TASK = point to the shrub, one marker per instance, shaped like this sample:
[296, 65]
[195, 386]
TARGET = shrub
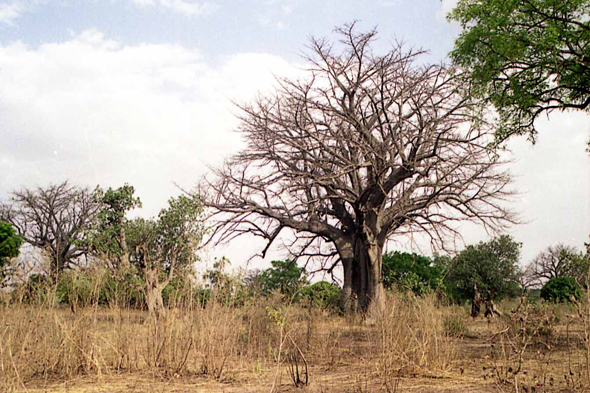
[285, 277]
[323, 295]
[561, 289]
[74, 288]
[411, 272]
[123, 287]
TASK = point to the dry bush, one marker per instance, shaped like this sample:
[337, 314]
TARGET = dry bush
[412, 336]
[37, 342]
[258, 335]
[218, 333]
[218, 338]
[539, 347]
[579, 361]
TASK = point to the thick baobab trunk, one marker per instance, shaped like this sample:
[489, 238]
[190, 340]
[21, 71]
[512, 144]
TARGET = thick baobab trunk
[363, 286]
[153, 293]
[348, 301]
[57, 262]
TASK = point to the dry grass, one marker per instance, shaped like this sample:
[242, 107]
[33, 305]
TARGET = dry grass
[416, 344]
[413, 338]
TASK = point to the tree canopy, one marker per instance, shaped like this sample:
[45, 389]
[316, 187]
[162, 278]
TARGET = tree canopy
[526, 57]
[492, 265]
[561, 289]
[417, 273]
[10, 243]
[161, 247]
[284, 276]
[363, 147]
[108, 236]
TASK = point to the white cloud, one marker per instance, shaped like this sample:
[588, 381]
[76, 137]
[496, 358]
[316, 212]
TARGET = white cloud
[276, 15]
[390, 3]
[144, 2]
[12, 10]
[98, 112]
[9, 12]
[185, 7]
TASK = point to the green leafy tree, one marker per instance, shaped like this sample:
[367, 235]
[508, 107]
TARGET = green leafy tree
[561, 289]
[108, 237]
[162, 247]
[411, 271]
[10, 243]
[526, 57]
[284, 276]
[492, 265]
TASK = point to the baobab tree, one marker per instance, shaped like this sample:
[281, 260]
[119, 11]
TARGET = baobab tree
[558, 261]
[54, 219]
[362, 148]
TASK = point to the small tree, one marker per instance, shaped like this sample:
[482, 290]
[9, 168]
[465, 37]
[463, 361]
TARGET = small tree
[108, 237]
[411, 271]
[491, 266]
[561, 289]
[10, 243]
[227, 287]
[284, 276]
[163, 246]
[323, 295]
[55, 219]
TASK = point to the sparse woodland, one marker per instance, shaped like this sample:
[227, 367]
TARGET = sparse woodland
[366, 147]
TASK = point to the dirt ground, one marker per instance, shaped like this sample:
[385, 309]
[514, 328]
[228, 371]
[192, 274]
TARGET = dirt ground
[342, 380]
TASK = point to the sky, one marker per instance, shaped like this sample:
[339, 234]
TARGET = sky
[143, 91]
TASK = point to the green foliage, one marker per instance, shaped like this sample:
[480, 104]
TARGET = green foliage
[180, 228]
[561, 289]
[413, 272]
[95, 285]
[74, 288]
[171, 239]
[284, 276]
[217, 276]
[493, 265]
[525, 57]
[323, 295]
[108, 236]
[180, 290]
[10, 243]
[123, 287]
